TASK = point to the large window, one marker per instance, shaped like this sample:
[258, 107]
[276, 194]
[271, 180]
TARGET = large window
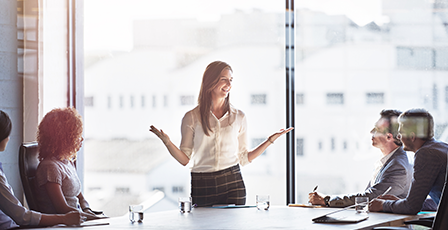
[353, 60]
[43, 58]
[144, 63]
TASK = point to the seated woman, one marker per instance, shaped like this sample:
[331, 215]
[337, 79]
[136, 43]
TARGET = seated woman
[58, 186]
[12, 213]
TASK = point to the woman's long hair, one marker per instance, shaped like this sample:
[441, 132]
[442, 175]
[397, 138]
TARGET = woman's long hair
[59, 134]
[209, 80]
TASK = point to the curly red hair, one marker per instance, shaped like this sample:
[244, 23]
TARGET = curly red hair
[59, 134]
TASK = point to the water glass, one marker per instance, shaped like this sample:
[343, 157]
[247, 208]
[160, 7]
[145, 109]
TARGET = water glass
[185, 204]
[136, 213]
[263, 202]
[362, 204]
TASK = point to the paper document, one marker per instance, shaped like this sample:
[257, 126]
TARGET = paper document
[232, 206]
[306, 206]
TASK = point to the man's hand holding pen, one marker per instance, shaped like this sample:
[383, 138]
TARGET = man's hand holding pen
[376, 205]
[315, 198]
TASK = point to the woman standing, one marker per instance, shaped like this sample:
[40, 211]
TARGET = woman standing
[12, 213]
[58, 185]
[214, 139]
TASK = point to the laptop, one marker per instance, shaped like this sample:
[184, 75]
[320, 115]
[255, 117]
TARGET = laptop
[354, 218]
[350, 218]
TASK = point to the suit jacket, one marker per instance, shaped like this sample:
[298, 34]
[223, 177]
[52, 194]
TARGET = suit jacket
[430, 166]
[396, 173]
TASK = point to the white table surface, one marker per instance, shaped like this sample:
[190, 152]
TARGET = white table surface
[277, 217]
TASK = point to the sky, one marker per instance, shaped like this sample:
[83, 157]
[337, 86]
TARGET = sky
[108, 23]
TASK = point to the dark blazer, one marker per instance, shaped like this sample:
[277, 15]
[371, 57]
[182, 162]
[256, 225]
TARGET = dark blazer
[396, 173]
[430, 163]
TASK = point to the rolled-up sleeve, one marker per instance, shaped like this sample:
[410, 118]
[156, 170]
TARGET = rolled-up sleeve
[242, 143]
[13, 208]
[187, 131]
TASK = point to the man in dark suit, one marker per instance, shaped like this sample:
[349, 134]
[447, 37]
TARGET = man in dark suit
[416, 131]
[392, 170]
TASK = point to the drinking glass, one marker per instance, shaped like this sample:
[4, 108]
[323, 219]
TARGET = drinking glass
[263, 202]
[185, 204]
[136, 213]
[362, 204]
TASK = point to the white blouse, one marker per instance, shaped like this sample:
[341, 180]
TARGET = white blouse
[11, 208]
[225, 146]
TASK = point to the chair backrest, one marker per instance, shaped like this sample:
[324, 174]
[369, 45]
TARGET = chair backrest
[441, 219]
[28, 162]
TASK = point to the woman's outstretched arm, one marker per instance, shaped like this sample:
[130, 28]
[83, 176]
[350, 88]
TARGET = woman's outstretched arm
[180, 156]
[263, 146]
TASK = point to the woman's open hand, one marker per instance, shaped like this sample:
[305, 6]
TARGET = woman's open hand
[276, 135]
[159, 133]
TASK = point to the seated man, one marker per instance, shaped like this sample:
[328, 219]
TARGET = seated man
[392, 170]
[416, 131]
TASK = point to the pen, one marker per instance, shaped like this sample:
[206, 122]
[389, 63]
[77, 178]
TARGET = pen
[384, 193]
[315, 188]
[387, 190]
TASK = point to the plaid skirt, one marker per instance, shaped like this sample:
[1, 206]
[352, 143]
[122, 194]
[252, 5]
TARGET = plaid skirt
[221, 187]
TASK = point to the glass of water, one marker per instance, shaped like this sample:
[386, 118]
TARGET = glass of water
[263, 202]
[362, 204]
[136, 213]
[185, 204]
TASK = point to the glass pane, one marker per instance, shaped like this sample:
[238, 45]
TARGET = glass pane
[144, 64]
[54, 63]
[42, 59]
[353, 60]
[28, 27]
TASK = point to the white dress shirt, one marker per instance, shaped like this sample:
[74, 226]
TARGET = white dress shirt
[379, 164]
[11, 210]
[225, 146]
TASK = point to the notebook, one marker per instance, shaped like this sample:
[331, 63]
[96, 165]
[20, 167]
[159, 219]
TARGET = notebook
[89, 223]
[232, 206]
[306, 206]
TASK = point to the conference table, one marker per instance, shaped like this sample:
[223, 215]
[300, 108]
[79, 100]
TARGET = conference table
[277, 217]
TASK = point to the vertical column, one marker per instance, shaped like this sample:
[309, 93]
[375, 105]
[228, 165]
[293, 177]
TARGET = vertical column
[77, 68]
[30, 61]
[10, 91]
[290, 101]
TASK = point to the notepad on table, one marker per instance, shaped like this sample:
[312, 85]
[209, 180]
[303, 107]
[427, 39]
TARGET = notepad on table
[232, 206]
[305, 205]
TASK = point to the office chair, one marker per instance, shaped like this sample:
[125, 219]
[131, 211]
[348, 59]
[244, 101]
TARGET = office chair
[28, 162]
[440, 220]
